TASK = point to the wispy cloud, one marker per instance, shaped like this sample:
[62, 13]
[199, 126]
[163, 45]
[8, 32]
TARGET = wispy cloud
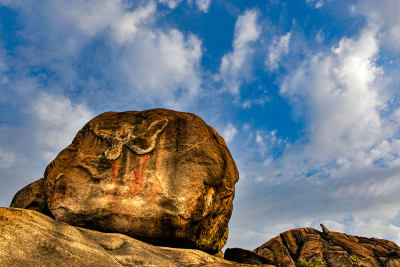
[229, 132]
[236, 66]
[316, 3]
[203, 5]
[278, 49]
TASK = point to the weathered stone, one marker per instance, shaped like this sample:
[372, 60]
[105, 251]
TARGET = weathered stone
[309, 247]
[160, 176]
[31, 197]
[245, 256]
[29, 238]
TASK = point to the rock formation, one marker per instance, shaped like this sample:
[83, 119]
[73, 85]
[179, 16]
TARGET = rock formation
[245, 256]
[310, 247]
[160, 176]
[31, 197]
[29, 238]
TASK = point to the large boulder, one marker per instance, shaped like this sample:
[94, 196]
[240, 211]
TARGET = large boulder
[161, 176]
[29, 238]
[310, 247]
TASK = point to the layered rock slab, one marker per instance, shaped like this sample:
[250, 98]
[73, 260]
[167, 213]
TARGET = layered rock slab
[310, 247]
[29, 238]
[160, 176]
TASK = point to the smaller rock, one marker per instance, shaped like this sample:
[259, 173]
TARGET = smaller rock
[245, 256]
[32, 197]
[310, 247]
[324, 229]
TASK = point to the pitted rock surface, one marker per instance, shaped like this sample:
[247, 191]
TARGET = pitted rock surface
[161, 176]
[29, 238]
[310, 247]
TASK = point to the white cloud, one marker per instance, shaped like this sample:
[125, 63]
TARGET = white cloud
[384, 14]
[376, 227]
[170, 3]
[316, 3]
[236, 66]
[139, 62]
[58, 121]
[203, 5]
[278, 49]
[164, 66]
[320, 37]
[344, 171]
[341, 95]
[229, 132]
[92, 17]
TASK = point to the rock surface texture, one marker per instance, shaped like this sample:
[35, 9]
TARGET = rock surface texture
[31, 197]
[161, 176]
[29, 238]
[309, 247]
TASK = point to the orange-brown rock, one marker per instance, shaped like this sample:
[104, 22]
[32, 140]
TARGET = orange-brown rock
[31, 197]
[161, 176]
[29, 238]
[245, 256]
[310, 247]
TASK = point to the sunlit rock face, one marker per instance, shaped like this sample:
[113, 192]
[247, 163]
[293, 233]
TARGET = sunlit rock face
[310, 247]
[161, 176]
[29, 238]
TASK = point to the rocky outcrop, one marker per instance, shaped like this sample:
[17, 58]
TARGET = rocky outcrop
[310, 247]
[31, 197]
[246, 256]
[29, 238]
[160, 176]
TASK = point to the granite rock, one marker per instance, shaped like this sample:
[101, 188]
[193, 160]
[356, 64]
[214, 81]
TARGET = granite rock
[30, 238]
[310, 247]
[161, 176]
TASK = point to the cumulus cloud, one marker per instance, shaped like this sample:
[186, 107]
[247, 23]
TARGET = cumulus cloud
[340, 94]
[278, 49]
[384, 14]
[344, 171]
[164, 66]
[236, 66]
[141, 63]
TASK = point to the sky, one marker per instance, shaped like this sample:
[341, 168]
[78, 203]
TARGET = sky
[305, 93]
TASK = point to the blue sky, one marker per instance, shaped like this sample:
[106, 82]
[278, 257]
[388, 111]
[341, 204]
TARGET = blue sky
[304, 92]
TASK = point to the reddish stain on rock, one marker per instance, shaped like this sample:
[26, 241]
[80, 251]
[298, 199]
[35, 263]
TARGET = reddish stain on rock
[146, 174]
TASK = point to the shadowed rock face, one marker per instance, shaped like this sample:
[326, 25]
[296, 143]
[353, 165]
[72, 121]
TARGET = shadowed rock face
[29, 238]
[31, 197]
[161, 176]
[299, 247]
